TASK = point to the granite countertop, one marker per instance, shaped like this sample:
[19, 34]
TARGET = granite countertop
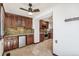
[20, 34]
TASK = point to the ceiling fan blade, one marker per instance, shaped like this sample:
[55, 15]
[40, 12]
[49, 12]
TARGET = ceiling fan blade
[23, 9]
[36, 10]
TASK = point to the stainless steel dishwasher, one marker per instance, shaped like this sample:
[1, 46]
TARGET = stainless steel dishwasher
[22, 41]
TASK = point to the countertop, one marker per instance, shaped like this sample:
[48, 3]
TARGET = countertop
[20, 34]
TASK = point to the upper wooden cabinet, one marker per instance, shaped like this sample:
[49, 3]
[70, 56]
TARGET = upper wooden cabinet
[44, 24]
[18, 20]
[12, 20]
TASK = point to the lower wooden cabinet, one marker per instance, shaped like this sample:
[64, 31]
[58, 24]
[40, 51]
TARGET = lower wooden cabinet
[50, 35]
[42, 37]
[29, 39]
[10, 43]
[13, 42]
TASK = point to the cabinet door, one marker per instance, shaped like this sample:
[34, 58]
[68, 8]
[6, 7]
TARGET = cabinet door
[26, 23]
[7, 21]
[18, 21]
[42, 37]
[29, 23]
[5, 44]
[30, 39]
[23, 21]
[10, 43]
[47, 25]
[13, 21]
[15, 42]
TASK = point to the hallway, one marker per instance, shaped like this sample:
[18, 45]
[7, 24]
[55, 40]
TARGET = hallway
[41, 49]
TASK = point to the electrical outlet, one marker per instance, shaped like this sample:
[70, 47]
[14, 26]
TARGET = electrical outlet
[56, 41]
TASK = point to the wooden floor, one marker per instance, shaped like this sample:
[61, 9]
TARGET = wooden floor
[41, 49]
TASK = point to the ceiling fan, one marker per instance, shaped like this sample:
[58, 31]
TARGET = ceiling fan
[30, 9]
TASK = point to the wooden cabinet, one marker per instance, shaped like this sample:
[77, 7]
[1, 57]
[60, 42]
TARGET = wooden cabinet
[42, 37]
[7, 21]
[12, 20]
[49, 36]
[29, 39]
[28, 23]
[44, 24]
[18, 21]
[10, 43]
[23, 22]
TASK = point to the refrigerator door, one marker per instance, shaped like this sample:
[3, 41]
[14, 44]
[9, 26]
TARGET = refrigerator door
[22, 41]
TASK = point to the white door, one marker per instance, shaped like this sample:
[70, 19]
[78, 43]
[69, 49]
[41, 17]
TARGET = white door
[22, 41]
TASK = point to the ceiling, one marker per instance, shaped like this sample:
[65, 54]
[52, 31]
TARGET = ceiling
[14, 8]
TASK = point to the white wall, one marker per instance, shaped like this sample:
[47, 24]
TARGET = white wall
[66, 33]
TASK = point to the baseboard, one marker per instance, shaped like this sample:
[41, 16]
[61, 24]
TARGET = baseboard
[55, 54]
[36, 43]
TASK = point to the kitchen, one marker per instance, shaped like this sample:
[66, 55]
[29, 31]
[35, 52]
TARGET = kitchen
[18, 31]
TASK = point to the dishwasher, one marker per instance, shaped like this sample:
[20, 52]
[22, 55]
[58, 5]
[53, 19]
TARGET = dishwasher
[22, 41]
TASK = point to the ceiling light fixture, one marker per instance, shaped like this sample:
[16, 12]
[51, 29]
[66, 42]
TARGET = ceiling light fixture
[30, 13]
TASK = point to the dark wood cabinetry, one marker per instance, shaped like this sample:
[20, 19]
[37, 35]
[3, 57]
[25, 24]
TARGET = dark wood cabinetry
[12, 20]
[10, 43]
[29, 39]
[49, 35]
[44, 24]
[28, 23]
[42, 37]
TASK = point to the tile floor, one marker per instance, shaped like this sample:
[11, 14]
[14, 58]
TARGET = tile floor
[41, 49]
